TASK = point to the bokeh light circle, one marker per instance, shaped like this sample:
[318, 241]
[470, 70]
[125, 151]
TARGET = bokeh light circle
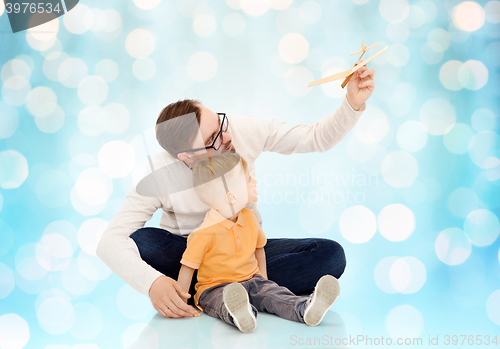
[357, 224]
[440, 38]
[93, 90]
[93, 187]
[92, 267]
[14, 331]
[396, 222]
[492, 10]
[204, 25]
[482, 227]
[202, 66]
[452, 246]
[399, 169]
[107, 69]
[147, 4]
[140, 43]
[9, 120]
[254, 7]
[13, 169]
[55, 315]
[38, 97]
[473, 75]
[411, 136]
[448, 75]
[54, 252]
[310, 12]
[394, 11]
[51, 118]
[118, 118]
[293, 48]
[407, 275]
[458, 139]
[92, 120]
[15, 90]
[75, 282]
[398, 55]
[90, 233]
[438, 116]
[382, 274]
[15, 67]
[279, 4]
[78, 20]
[468, 16]
[72, 71]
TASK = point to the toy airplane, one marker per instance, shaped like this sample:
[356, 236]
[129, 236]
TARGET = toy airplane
[348, 73]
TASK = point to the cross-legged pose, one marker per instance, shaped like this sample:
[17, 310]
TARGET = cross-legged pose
[148, 259]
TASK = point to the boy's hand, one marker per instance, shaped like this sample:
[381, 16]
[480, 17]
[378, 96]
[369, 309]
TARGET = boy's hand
[360, 87]
[165, 294]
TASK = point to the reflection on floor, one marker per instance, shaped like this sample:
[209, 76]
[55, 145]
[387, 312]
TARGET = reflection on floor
[208, 332]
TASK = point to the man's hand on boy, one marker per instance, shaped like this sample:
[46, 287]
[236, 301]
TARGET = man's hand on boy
[165, 294]
[360, 87]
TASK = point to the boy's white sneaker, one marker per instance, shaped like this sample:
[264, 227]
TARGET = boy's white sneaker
[237, 304]
[325, 294]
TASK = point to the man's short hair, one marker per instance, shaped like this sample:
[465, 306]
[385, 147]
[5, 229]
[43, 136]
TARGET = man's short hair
[177, 126]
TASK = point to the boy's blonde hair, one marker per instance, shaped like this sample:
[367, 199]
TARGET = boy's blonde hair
[211, 168]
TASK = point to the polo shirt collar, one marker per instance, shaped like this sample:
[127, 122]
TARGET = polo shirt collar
[226, 223]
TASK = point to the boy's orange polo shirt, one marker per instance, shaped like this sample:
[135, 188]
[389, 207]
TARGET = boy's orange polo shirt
[224, 251]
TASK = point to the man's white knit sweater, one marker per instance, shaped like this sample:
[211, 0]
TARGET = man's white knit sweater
[167, 186]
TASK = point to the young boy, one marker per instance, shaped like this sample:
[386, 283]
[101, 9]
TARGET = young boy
[227, 249]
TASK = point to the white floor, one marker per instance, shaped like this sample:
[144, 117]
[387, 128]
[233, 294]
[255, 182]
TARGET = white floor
[271, 332]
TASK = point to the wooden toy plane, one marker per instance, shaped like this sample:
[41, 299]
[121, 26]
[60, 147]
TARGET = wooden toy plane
[348, 73]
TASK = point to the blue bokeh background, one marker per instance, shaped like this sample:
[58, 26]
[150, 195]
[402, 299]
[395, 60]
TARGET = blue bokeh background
[412, 193]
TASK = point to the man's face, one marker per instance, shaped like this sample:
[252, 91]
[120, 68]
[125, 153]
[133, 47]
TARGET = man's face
[209, 128]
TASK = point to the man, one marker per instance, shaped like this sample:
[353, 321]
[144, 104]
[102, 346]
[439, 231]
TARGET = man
[148, 259]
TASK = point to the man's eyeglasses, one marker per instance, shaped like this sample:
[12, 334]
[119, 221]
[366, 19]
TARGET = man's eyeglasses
[217, 142]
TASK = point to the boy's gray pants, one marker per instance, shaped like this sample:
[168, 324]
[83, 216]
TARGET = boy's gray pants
[264, 295]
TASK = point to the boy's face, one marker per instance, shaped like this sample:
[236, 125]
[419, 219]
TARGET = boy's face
[253, 195]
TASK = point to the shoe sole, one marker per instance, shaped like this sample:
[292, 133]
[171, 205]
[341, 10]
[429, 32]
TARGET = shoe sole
[325, 294]
[236, 301]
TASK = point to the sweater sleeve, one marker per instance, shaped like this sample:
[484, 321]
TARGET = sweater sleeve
[119, 252]
[318, 137]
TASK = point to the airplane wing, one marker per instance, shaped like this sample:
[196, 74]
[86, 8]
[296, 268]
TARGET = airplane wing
[366, 49]
[334, 77]
[346, 72]
[367, 60]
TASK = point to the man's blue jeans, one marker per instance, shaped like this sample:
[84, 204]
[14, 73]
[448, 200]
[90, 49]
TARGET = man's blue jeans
[296, 264]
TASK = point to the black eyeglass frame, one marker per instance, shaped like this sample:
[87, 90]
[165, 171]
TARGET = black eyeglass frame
[224, 119]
